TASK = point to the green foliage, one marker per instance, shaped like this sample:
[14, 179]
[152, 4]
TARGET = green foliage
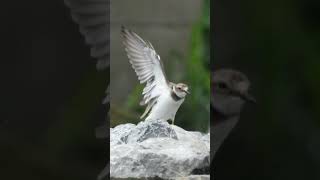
[196, 110]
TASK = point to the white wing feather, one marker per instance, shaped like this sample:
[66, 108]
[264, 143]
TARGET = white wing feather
[147, 65]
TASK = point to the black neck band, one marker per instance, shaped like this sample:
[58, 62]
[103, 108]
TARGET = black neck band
[175, 96]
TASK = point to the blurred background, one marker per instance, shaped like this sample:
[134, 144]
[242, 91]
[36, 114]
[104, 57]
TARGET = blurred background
[179, 31]
[277, 45]
[51, 96]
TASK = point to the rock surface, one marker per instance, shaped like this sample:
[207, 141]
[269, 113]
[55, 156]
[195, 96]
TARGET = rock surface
[157, 149]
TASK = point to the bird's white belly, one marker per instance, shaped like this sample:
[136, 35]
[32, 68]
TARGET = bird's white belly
[165, 108]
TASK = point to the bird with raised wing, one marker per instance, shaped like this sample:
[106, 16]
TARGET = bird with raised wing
[162, 97]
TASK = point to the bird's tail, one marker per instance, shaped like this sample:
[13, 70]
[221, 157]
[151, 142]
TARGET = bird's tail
[145, 112]
[149, 107]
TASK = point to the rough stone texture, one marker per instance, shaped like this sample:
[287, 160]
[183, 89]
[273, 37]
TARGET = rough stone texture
[192, 177]
[157, 149]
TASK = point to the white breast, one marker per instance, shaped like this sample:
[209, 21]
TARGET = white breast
[165, 108]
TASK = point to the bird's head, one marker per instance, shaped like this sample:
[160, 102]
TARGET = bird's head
[229, 91]
[181, 90]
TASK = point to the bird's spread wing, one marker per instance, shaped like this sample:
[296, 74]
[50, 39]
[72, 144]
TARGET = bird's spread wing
[147, 65]
[93, 19]
[92, 16]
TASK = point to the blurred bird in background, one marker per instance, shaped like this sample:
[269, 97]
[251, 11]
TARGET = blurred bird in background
[230, 90]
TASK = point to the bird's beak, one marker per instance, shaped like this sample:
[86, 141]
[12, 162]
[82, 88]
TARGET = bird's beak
[185, 90]
[248, 97]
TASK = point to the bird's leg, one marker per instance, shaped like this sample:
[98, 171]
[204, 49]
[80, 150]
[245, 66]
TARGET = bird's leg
[172, 123]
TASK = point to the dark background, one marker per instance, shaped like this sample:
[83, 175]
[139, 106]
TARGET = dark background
[51, 95]
[277, 45]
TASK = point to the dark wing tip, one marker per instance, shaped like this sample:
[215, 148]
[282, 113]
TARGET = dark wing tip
[127, 32]
[124, 33]
[124, 30]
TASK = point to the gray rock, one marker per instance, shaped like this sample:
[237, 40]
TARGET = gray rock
[157, 149]
[191, 177]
